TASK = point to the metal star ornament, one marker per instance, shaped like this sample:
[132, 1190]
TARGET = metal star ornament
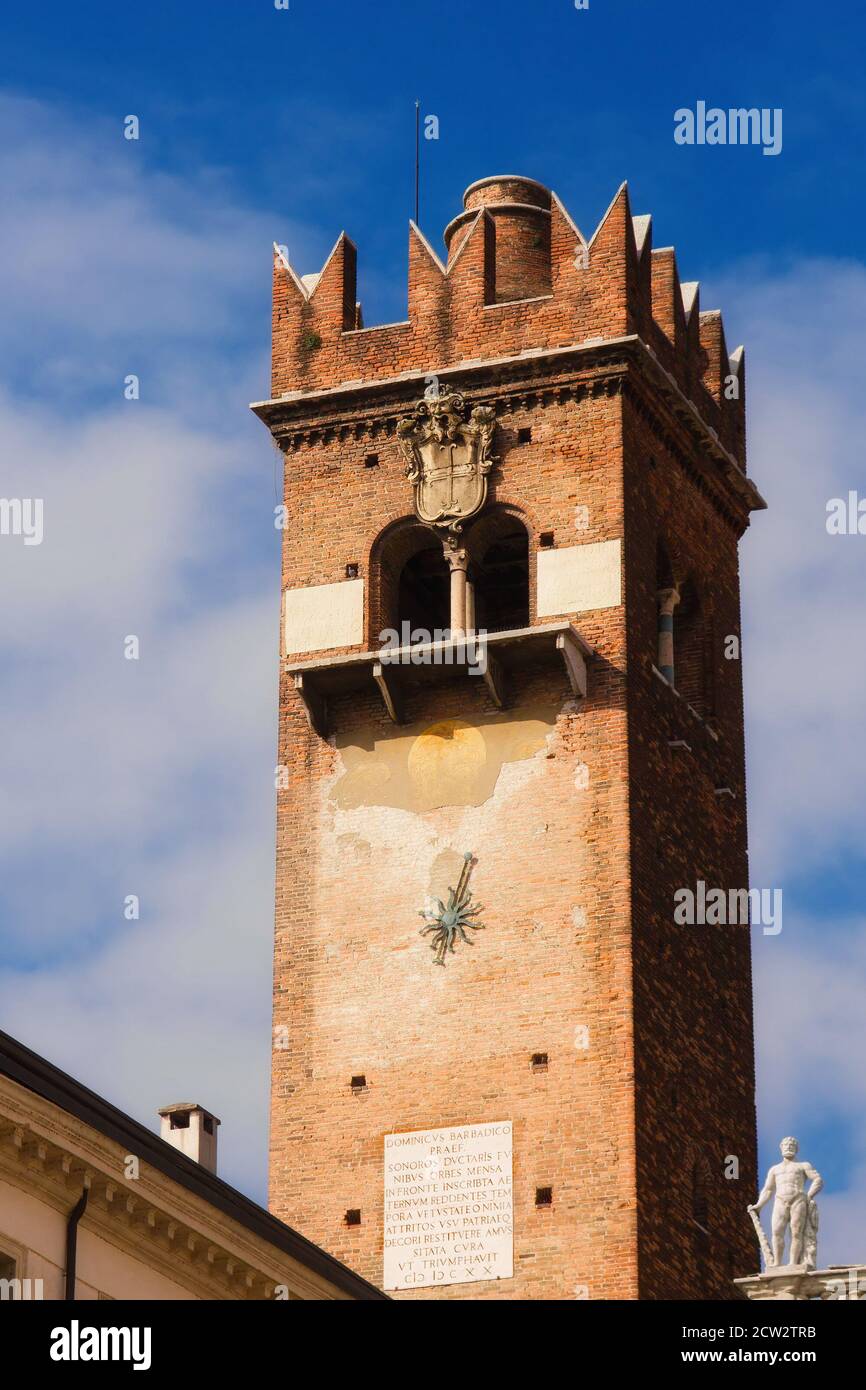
[450, 920]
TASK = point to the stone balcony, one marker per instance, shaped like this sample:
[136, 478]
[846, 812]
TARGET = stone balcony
[396, 671]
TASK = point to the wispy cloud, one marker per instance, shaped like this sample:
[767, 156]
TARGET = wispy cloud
[151, 777]
[804, 596]
[804, 590]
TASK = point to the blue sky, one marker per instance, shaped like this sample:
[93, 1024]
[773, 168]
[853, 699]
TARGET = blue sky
[154, 256]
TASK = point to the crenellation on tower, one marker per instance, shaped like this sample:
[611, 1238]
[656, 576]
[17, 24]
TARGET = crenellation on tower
[714, 347]
[518, 275]
[667, 304]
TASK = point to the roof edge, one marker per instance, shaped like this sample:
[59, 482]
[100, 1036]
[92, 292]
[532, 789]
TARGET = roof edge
[37, 1074]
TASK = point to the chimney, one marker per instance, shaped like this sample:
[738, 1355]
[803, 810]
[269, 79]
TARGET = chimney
[193, 1130]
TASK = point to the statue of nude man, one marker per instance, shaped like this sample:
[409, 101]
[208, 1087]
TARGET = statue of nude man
[794, 1207]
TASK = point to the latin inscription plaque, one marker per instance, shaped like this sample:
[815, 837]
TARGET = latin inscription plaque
[448, 1206]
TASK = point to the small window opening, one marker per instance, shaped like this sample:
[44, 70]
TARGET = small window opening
[693, 651]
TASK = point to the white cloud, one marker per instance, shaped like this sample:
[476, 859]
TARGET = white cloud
[174, 1006]
[123, 520]
[152, 777]
[110, 267]
[804, 592]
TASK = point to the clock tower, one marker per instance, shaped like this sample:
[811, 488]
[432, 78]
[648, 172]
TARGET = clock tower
[511, 731]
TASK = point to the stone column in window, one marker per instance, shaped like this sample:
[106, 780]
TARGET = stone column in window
[458, 563]
[667, 601]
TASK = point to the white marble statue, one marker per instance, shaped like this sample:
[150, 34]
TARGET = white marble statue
[794, 1208]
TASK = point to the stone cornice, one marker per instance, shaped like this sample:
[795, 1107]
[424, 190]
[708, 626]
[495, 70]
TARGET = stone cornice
[370, 410]
[845, 1283]
[359, 407]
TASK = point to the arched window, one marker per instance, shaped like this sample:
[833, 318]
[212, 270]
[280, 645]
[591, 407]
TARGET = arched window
[413, 580]
[685, 647]
[693, 650]
[667, 598]
[409, 581]
[498, 546]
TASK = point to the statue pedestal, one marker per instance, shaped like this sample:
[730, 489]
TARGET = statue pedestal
[842, 1282]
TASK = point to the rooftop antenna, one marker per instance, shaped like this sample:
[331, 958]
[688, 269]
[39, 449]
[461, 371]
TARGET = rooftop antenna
[417, 158]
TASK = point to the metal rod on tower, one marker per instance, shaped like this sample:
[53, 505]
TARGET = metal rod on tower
[417, 158]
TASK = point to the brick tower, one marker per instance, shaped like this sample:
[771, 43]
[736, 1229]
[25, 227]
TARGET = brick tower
[551, 450]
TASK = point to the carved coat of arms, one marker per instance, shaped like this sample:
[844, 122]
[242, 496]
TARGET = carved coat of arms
[447, 458]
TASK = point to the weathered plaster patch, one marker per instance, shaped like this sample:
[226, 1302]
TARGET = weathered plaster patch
[416, 852]
[449, 763]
